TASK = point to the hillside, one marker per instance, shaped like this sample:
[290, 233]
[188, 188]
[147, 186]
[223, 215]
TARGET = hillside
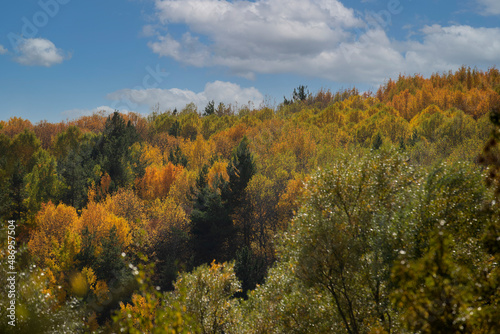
[335, 212]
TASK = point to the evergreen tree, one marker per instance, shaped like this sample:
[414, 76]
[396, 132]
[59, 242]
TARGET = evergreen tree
[212, 228]
[300, 94]
[177, 157]
[377, 142]
[112, 150]
[240, 171]
[86, 257]
[175, 129]
[209, 109]
[109, 264]
[250, 269]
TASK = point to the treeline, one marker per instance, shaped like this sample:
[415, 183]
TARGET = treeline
[334, 212]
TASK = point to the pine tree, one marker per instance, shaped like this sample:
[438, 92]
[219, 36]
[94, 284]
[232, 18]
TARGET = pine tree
[109, 263]
[212, 229]
[240, 171]
[112, 150]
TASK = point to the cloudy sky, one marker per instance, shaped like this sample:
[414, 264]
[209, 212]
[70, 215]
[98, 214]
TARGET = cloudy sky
[60, 59]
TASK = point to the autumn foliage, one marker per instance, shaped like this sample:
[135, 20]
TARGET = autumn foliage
[340, 212]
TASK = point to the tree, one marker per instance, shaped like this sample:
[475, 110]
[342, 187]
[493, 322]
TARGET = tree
[377, 142]
[109, 263]
[344, 236]
[212, 229]
[53, 223]
[433, 293]
[157, 181]
[209, 109]
[112, 150]
[168, 239]
[207, 295]
[300, 94]
[66, 141]
[43, 183]
[240, 171]
[79, 170]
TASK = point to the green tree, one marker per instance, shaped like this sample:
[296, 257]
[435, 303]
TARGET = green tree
[79, 170]
[207, 295]
[212, 229]
[112, 150]
[343, 238]
[209, 109]
[109, 263]
[433, 292]
[300, 93]
[240, 171]
[43, 183]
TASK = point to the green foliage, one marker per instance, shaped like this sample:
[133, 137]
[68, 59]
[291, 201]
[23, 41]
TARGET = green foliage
[112, 150]
[77, 169]
[433, 293]
[37, 308]
[206, 294]
[209, 109]
[240, 171]
[344, 236]
[43, 183]
[109, 264]
[212, 229]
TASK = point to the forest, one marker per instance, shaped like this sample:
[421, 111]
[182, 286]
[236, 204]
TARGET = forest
[332, 212]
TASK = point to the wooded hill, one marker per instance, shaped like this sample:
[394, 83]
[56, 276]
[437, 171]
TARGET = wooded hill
[331, 213]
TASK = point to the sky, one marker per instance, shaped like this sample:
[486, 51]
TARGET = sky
[62, 59]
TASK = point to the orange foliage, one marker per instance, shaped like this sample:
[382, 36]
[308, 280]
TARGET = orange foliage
[300, 142]
[46, 132]
[180, 191]
[16, 125]
[470, 90]
[157, 181]
[289, 201]
[225, 141]
[94, 123]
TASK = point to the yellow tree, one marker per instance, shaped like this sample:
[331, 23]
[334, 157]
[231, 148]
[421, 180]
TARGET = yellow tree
[157, 181]
[53, 223]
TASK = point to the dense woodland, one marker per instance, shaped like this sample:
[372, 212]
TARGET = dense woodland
[329, 213]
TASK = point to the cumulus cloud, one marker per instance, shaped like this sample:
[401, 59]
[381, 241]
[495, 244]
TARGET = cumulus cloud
[245, 33]
[453, 46]
[218, 91]
[39, 52]
[317, 38]
[2, 50]
[489, 7]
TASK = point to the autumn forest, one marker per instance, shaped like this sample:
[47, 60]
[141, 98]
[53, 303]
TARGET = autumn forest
[332, 212]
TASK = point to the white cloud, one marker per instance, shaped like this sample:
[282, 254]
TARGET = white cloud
[76, 113]
[450, 47]
[39, 52]
[317, 38]
[218, 91]
[243, 33]
[490, 7]
[3, 50]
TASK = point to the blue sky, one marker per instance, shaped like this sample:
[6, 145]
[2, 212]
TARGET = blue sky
[61, 59]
